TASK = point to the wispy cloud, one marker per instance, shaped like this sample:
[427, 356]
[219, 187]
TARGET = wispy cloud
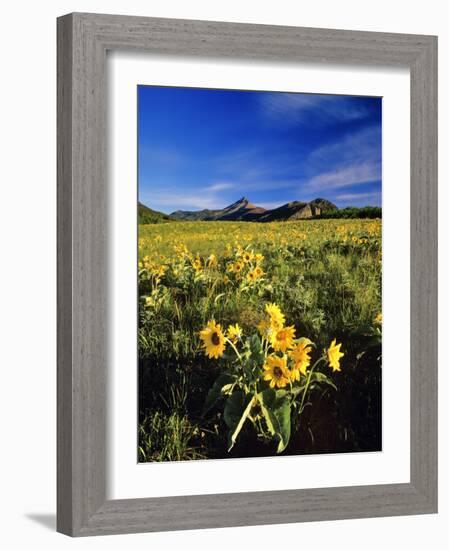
[351, 159]
[373, 198]
[344, 176]
[263, 167]
[358, 196]
[323, 110]
[362, 145]
[209, 197]
[171, 200]
[287, 146]
[354, 159]
[251, 163]
[269, 184]
[221, 186]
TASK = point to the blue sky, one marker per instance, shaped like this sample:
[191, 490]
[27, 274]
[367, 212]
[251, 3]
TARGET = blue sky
[200, 148]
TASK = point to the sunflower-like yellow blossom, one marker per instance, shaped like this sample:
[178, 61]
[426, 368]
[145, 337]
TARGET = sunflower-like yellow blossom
[213, 340]
[238, 266]
[282, 339]
[276, 372]
[277, 318]
[247, 256]
[251, 276]
[234, 333]
[196, 264]
[264, 328]
[301, 358]
[334, 355]
[212, 261]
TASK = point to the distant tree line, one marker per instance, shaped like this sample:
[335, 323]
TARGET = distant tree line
[149, 217]
[352, 212]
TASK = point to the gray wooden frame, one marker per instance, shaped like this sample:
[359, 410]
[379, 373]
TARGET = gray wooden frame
[83, 40]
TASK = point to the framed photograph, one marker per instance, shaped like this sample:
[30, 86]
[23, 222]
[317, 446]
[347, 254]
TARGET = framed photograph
[247, 274]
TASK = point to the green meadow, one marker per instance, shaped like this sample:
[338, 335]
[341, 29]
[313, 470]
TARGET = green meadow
[324, 276]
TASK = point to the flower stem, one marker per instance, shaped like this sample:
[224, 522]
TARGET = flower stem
[235, 349]
[301, 406]
[266, 345]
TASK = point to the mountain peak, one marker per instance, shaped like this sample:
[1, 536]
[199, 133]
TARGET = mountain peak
[243, 210]
[241, 202]
[239, 209]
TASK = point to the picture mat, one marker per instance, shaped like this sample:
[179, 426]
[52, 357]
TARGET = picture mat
[127, 478]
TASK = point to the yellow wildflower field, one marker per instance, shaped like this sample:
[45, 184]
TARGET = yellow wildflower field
[259, 338]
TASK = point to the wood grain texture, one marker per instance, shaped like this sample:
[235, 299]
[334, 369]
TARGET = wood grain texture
[423, 274]
[64, 277]
[83, 40]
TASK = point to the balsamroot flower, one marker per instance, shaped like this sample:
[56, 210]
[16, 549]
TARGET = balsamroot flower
[276, 371]
[334, 355]
[301, 358]
[282, 339]
[234, 333]
[213, 340]
[277, 318]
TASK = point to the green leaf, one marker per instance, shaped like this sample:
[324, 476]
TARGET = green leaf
[268, 397]
[321, 378]
[282, 415]
[255, 345]
[296, 390]
[220, 386]
[256, 357]
[218, 296]
[276, 411]
[237, 409]
[304, 340]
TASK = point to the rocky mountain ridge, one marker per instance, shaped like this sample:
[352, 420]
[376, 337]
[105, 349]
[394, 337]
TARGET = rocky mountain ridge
[243, 210]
